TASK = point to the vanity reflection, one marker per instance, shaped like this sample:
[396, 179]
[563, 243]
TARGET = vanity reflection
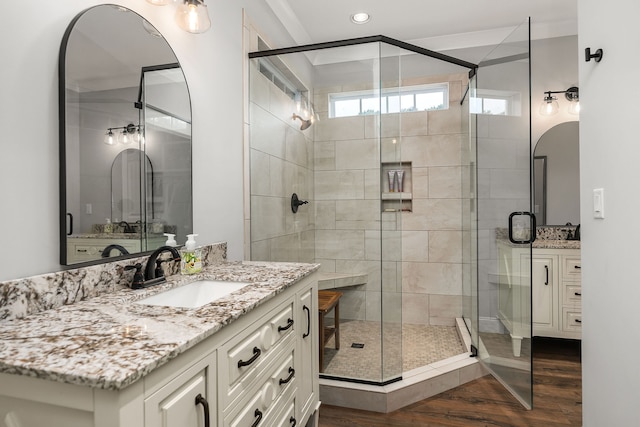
[557, 176]
[125, 138]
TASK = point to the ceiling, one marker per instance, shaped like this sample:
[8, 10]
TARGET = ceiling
[438, 25]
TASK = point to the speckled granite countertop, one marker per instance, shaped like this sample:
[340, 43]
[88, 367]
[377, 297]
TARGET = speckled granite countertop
[114, 236]
[546, 244]
[107, 342]
[556, 244]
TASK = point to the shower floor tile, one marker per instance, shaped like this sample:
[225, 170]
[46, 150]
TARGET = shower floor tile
[421, 345]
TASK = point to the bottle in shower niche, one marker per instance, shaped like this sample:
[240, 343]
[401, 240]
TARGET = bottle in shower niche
[400, 177]
[392, 180]
[191, 256]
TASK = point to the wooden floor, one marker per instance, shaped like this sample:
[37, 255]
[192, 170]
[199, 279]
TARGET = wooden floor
[557, 399]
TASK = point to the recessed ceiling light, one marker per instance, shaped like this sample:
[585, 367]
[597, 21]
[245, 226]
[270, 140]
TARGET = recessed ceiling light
[360, 18]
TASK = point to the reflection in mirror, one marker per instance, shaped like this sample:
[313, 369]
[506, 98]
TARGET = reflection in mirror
[126, 187]
[123, 98]
[557, 184]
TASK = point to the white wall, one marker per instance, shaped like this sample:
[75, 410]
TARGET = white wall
[212, 63]
[554, 67]
[609, 153]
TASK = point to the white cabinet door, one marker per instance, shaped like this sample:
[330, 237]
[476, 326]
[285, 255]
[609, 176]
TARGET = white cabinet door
[308, 364]
[544, 285]
[186, 400]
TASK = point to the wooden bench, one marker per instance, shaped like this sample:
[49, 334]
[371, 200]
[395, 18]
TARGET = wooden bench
[327, 301]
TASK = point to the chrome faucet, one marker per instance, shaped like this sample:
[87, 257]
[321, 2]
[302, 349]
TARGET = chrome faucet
[153, 273]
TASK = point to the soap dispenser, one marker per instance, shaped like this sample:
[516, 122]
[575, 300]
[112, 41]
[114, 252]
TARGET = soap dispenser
[108, 227]
[191, 256]
[171, 240]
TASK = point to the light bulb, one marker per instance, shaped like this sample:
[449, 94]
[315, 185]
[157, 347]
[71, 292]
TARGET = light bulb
[109, 138]
[124, 137]
[138, 137]
[193, 17]
[574, 107]
[549, 106]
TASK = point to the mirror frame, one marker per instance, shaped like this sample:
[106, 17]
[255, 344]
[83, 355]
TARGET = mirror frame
[62, 138]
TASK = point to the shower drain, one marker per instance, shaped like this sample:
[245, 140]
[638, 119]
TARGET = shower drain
[357, 345]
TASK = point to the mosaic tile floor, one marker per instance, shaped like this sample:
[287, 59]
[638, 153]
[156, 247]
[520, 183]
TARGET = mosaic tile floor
[421, 345]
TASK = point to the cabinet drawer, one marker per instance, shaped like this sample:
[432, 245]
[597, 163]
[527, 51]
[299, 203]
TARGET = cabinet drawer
[287, 418]
[247, 355]
[571, 320]
[572, 294]
[250, 414]
[267, 395]
[571, 268]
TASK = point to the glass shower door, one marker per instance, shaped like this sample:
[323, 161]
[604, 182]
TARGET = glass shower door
[500, 109]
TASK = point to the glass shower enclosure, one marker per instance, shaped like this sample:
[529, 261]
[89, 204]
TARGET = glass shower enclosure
[342, 139]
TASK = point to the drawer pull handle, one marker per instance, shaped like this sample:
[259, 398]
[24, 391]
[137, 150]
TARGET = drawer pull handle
[578, 320]
[292, 372]
[256, 354]
[546, 271]
[305, 308]
[578, 294]
[258, 416]
[577, 266]
[284, 328]
[293, 421]
[205, 405]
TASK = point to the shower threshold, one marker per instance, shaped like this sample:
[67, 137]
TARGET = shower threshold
[416, 384]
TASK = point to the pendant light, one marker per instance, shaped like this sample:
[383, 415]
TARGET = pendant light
[193, 16]
[159, 2]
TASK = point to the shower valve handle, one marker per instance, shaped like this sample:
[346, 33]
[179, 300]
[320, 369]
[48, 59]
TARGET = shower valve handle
[295, 203]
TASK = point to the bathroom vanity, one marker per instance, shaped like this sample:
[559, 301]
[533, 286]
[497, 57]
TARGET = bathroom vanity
[247, 359]
[555, 293]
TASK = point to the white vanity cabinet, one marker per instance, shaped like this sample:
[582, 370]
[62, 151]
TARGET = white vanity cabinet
[259, 370]
[554, 296]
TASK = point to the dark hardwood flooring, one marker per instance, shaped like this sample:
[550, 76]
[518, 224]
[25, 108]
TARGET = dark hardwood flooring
[557, 399]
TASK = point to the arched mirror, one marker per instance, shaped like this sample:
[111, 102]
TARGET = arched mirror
[557, 176]
[125, 118]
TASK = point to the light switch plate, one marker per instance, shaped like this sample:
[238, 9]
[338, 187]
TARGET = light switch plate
[598, 203]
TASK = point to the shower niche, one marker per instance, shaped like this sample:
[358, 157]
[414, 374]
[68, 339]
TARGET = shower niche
[396, 185]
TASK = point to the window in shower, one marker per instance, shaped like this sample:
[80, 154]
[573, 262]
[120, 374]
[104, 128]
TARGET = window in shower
[411, 98]
[496, 102]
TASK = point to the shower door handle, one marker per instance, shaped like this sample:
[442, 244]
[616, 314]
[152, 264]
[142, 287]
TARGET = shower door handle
[519, 239]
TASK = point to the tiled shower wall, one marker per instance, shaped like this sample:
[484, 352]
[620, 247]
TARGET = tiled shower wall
[281, 164]
[421, 250]
[335, 165]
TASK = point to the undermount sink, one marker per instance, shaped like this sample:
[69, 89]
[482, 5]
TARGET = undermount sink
[193, 295]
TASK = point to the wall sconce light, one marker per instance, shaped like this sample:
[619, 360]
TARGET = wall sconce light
[549, 105]
[124, 135]
[191, 15]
